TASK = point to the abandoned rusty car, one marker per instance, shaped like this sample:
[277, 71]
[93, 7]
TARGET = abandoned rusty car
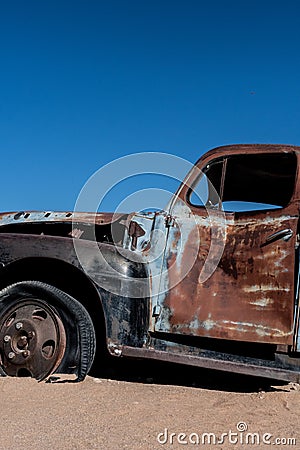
[210, 282]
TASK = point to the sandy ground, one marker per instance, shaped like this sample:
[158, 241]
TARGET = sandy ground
[129, 410]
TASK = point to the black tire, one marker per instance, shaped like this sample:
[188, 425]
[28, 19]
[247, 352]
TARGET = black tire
[43, 331]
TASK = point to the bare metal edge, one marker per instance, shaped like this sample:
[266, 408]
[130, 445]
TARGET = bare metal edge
[214, 364]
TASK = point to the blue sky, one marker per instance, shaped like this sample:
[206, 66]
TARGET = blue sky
[85, 82]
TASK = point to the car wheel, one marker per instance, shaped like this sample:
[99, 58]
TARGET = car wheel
[43, 330]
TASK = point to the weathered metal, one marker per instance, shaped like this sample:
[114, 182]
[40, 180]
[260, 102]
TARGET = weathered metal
[220, 362]
[33, 339]
[54, 216]
[53, 260]
[250, 296]
[199, 284]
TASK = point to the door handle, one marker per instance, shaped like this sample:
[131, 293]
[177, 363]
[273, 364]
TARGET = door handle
[285, 234]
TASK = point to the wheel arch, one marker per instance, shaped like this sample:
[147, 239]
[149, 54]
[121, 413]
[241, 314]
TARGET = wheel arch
[67, 278]
[117, 319]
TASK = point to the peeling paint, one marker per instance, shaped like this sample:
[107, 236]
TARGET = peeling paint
[250, 294]
[265, 287]
[263, 302]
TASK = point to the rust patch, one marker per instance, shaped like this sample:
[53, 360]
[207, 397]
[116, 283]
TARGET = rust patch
[249, 297]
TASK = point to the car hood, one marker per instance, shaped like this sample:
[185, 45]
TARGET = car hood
[10, 218]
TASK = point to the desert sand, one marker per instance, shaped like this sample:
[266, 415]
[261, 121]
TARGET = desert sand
[138, 406]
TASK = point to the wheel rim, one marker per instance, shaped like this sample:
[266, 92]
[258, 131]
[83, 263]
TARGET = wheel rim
[32, 340]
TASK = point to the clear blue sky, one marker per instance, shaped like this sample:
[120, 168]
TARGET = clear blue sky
[84, 82]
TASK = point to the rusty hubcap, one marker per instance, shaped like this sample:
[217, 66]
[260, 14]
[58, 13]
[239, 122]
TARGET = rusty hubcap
[32, 340]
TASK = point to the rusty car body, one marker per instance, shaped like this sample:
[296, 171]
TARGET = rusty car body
[211, 282]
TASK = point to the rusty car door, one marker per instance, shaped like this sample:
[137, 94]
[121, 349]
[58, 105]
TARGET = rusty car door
[247, 290]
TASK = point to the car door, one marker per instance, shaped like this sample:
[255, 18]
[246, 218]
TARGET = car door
[230, 264]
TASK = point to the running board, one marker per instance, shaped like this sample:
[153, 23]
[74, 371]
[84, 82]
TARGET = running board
[257, 370]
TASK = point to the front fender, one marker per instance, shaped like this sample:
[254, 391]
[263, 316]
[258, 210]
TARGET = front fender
[119, 276]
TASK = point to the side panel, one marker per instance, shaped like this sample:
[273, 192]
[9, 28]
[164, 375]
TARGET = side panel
[250, 295]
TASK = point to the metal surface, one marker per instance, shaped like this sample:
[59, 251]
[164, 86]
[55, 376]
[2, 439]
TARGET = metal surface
[54, 216]
[238, 366]
[54, 261]
[32, 340]
[250, 296]
[243, 288]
